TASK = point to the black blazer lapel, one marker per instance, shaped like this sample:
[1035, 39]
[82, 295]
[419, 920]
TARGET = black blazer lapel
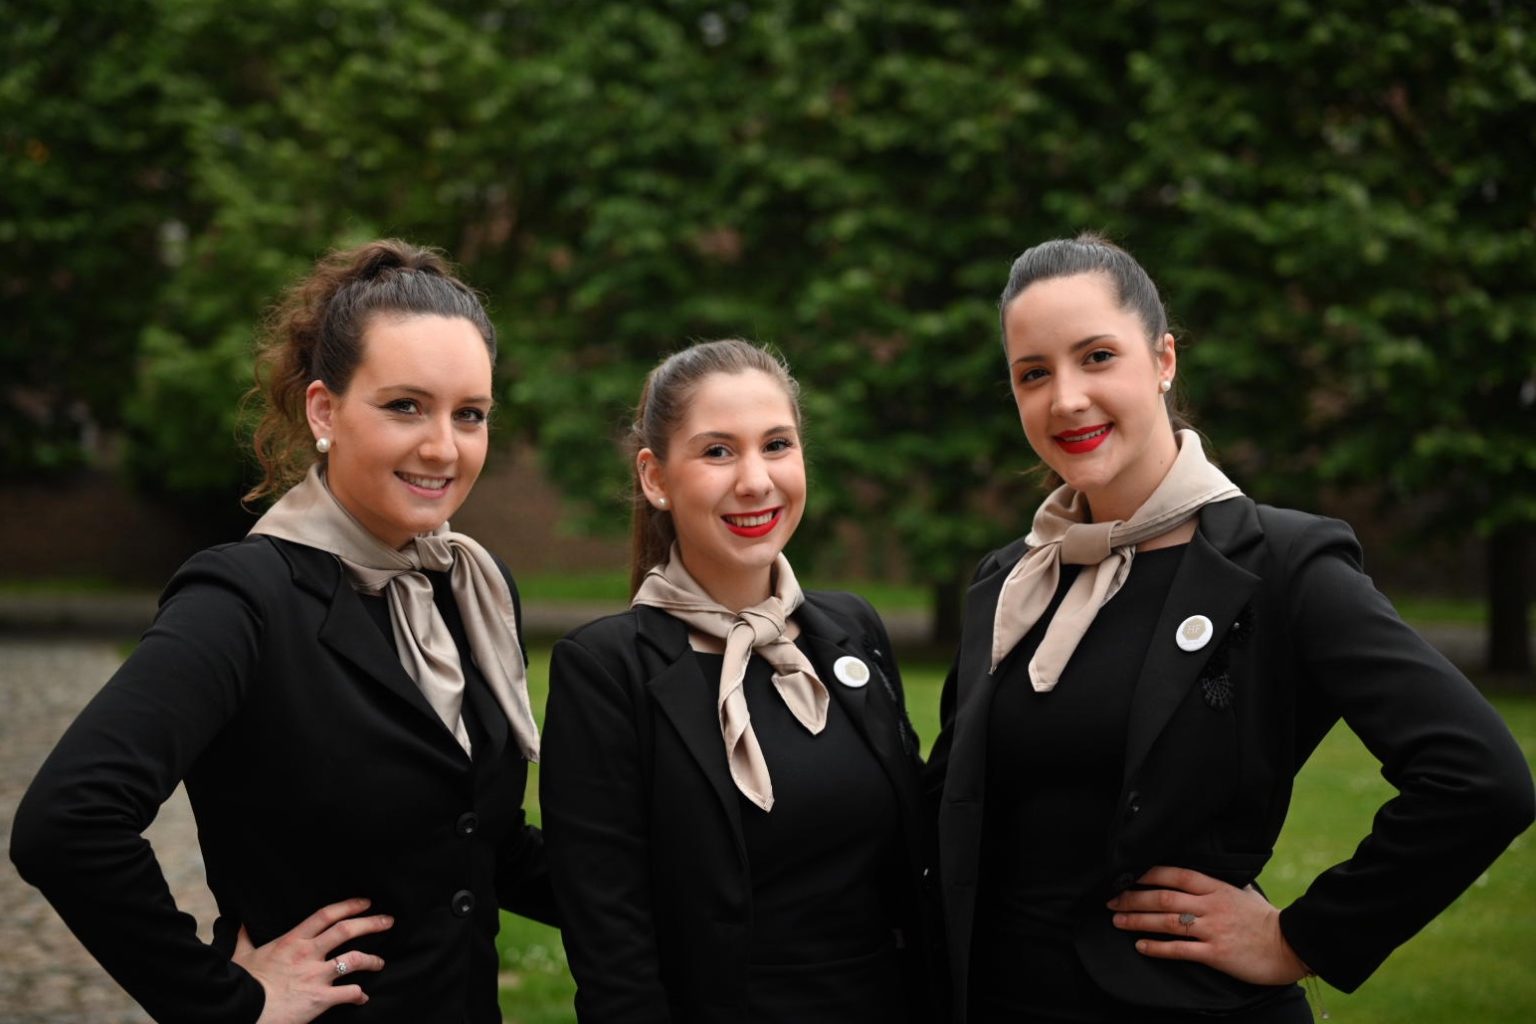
[688, 700]
[347, 630]
[871, 707]
[1207, 583]
[493, 720]
[828, 641]
[975, 684]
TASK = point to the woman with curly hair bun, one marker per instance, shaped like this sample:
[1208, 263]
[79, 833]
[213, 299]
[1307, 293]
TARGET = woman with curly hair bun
[343, 693]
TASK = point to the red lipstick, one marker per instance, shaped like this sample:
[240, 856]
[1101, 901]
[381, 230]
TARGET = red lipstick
[1079, 442]
[758, 530]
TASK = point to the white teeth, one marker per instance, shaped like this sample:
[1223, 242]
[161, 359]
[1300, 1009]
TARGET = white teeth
[1084, 437]
[757, 520]
[430, 483]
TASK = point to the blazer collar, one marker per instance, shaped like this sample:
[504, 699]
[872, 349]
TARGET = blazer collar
[1207, 583]
[974, 681]
[687, 697]
[349, 632]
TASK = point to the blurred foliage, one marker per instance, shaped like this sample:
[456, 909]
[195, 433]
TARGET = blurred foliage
[1337, 200]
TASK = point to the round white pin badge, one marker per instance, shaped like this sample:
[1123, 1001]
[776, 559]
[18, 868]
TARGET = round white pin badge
[850, 671]
[1194, 633]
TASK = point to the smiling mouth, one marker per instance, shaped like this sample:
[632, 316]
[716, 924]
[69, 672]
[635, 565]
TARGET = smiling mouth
[753, 524]
[1079, 441]
[425, 483]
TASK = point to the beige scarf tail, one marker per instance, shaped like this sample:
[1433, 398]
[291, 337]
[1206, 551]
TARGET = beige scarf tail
[485, 604]
[430, 658]
[1089, 591]
[759, 628]
[742, 752]
[1062, 534]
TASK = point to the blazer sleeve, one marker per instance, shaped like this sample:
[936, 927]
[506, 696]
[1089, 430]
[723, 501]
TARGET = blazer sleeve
[1464, 788]
[78, 830]
[523, 883]
[595, 811]
[937, 765]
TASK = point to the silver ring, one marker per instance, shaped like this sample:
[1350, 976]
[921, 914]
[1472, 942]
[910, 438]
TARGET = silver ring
[1186, 919]
[341, 966]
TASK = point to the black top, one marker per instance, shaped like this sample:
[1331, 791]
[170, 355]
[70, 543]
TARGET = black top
[1054, 767]
[822, 866]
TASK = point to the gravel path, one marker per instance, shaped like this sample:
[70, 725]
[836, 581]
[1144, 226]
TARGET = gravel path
[46, 976]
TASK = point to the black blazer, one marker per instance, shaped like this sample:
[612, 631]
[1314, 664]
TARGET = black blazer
[316, 770]
[643, 821]
[1217, 735]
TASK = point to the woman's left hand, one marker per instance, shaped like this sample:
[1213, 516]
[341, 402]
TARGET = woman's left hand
[1234, 930]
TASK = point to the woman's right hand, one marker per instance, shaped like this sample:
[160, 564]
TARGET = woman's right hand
[296, 971]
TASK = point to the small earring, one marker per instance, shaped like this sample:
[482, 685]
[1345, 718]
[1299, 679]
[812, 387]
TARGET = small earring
[1165, 386]
[322, 445]
[661, 502]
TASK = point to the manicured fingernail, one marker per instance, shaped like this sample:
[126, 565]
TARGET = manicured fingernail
[1141, 947]
[1119, 920]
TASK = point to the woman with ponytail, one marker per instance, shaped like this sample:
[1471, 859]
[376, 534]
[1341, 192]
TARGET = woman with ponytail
[343, 693]
[730, 787]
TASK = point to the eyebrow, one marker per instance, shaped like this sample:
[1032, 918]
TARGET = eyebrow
[411, 389]
[721, 435]
[1077, 346]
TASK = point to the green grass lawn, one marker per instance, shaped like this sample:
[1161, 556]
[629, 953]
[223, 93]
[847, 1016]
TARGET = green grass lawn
[1476, 962]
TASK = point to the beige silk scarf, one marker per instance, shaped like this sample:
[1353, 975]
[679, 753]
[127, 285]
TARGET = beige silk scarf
[759, 628]
[1105, 550]
[310, 515]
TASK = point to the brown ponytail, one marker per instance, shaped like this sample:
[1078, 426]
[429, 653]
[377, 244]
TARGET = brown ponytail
[316, 332]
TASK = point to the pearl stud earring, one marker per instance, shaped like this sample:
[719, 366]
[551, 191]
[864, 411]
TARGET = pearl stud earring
[322, 445]
[1165, 386]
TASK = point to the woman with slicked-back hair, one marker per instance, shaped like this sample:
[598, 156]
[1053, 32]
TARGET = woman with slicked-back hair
[1138, 682]
[731, 783]
[343, 693]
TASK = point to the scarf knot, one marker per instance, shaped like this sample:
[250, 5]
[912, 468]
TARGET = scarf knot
[1062, 534]
[759, 629]
[435, 551]
[1087, 543]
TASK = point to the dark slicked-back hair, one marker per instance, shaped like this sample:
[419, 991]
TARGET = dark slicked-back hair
[1091, 253]
[1088, 253]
